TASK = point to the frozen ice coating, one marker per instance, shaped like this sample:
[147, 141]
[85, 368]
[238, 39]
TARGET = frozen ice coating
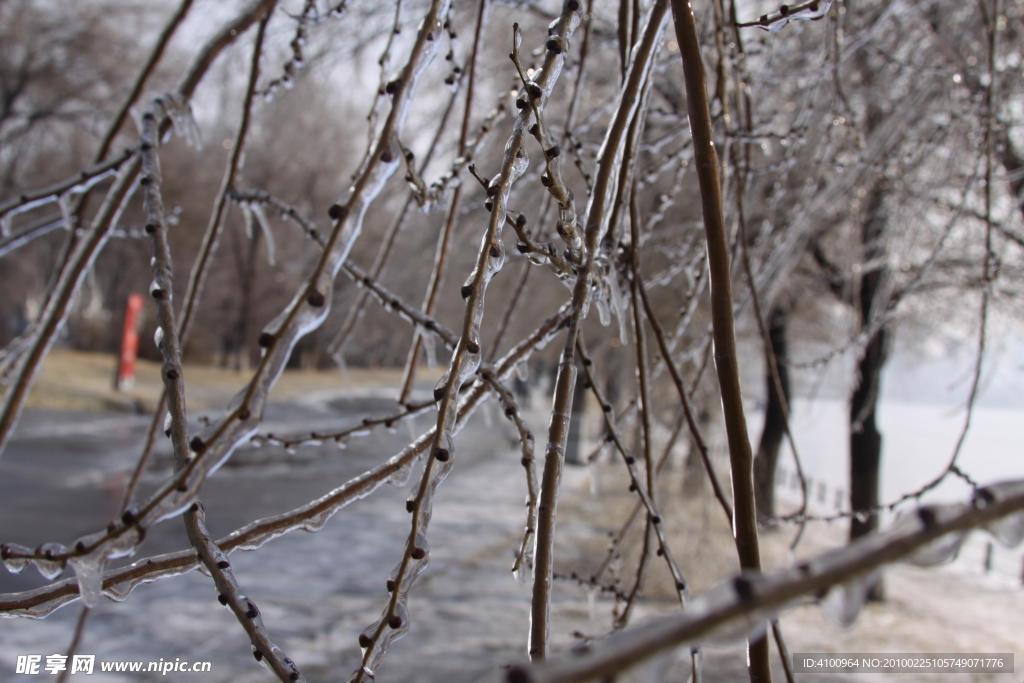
[844, 601]
[367, 563]
[1008, 530]
[940, 551]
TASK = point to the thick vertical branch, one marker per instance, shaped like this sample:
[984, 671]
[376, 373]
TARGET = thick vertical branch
[740, 455]
[201, 265]
[597, 224]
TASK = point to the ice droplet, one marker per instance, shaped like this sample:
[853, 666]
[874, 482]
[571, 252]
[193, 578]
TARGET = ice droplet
[158, 337]
[429, 348]
[49, 568]
[844, 601]
[522, 572]
[15, 565]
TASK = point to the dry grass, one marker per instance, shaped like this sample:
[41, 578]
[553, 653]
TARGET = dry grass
[79, 380]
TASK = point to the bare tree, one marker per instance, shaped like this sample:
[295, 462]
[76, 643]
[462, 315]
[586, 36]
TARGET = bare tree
[604, 162]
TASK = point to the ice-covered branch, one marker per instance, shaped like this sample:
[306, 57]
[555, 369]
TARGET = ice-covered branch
[117, 584]
[745, 602]
[565, 382]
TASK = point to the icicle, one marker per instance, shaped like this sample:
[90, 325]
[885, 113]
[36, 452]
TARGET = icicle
[522, 570]
[246, 208]
[180, 111]
[137, 118]
[523, 370]
[261, 219]
[89, 572]
[429, 348]
[158, 337]
[591, 592]
[618, 305]
[603, 311]
[64, 202]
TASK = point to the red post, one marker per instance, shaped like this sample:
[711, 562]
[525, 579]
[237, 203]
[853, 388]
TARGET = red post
[129, 343]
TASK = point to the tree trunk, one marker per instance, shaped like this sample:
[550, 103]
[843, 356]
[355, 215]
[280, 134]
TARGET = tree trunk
[865, 439]
[247, 276]
[774, 418]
